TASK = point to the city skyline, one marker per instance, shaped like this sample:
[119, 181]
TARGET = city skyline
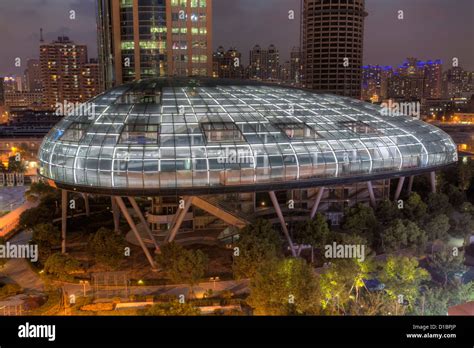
[236, 22]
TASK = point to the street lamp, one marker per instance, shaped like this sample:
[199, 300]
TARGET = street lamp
[214, 280]
[84, 283]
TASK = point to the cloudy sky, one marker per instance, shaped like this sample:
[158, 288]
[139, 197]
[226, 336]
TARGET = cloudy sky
[431, 29]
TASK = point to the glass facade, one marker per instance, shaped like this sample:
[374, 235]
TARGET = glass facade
[186, 133]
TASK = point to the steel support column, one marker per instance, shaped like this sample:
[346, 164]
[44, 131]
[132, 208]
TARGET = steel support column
[401, 181]
[116, 214]
[86, 204]
[132, 225]
[433, 182]
[135, 206]
[410, 184]
[178, 220]
[276, 205]
[64, 204]
[317, 201]
[370, 188]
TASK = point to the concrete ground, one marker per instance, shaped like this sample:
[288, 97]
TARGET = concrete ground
[12, 197]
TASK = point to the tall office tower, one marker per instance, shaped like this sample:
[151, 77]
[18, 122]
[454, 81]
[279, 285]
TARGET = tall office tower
[227, 64]
[33, 76]
[2, 92]
[455, 81]
[273, 67]
[371, 83]
[408, 81]
[264, 64]
[61, 64]
[285, 73]
[149, 38]
[433, 79]
[333, 33]
[90, 80]
[296, 66]
[257, 63]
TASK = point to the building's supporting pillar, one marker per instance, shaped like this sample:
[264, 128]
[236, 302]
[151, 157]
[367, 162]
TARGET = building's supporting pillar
[143, 221]
[116, 214]
[64, 204]
[410, 184]
[316, 202]
[401, 181]
[132, 225]
[433, 182]
[276, 205]
[178, 219]
[370, 188]
[86, 204]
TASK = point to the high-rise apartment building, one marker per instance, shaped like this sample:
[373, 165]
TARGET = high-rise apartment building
[61, 64]
[433, 71]
[90, 79]
[296, 66]
[457, 82]
[150, 38]
[333, 33]
[227, 64]
[264, 64]
[33, 76]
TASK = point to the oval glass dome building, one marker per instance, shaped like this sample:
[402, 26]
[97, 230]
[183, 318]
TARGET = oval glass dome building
[198, 136]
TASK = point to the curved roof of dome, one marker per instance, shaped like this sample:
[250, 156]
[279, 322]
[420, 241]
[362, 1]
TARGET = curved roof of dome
[185, 135]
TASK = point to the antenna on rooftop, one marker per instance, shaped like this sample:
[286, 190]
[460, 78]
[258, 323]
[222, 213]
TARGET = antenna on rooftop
[41, 35]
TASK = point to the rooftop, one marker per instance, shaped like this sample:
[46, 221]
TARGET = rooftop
[182, 135]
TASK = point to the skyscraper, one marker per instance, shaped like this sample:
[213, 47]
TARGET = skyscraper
[33, 76]
[90, 79]
[228, 64]
[296, 66]
[433, 78]
[150, 38]
[264, 64]
[61, 64]
[333, 33]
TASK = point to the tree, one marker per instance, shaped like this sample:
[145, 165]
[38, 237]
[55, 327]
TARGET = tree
[438, 202]
[174, 308]
[465, 175]
[402, 234]
[107, 248]
[437, 300]
[361, 220]
[447, 262]
[284, 287]
[455, 195]
[257, 244]
[62, 266]
[39, 189]
[34, 216]
[181, 265]
[402, 278]
[387, 211]
[414, 208]
[341, 283]
[462, 224]
[313, 232]
[46, 236]
[437, 227]
[15, 165]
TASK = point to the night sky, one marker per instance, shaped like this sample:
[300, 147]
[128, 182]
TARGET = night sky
[431, 29]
